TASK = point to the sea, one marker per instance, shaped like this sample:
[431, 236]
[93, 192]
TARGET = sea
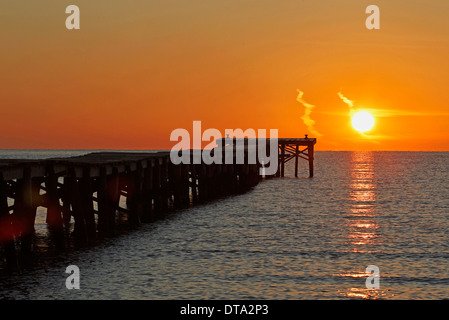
[368, 225]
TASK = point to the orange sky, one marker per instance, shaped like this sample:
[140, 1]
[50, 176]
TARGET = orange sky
[139, 69]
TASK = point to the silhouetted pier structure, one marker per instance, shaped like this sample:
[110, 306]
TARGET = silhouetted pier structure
[90, 188]
[295, 148]
[288, 149]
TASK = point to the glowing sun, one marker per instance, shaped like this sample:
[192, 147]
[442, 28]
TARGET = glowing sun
[362, 121]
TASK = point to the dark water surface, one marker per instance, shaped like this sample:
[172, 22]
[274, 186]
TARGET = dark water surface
[288, 238]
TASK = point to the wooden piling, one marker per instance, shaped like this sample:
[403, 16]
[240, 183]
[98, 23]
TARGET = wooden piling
[174, 176]
[193, 182]
[106, 204]
[147, 193]
[278, 172]
[311, 158]
[65, 198]
[76, 201]
[185, 187]
[6, 228]
[54, 210]
[202, 182]
[134, 194]
[282, 159]
[211, 190]
[24, 211]
[164, 185]
[232, 176]
[296, 160]
[157, 188]
[87, 213]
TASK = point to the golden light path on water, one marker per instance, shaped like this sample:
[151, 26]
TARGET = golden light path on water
[361, 225]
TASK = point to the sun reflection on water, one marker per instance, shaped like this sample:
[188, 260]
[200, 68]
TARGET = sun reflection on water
[362, 227]
[364, 293]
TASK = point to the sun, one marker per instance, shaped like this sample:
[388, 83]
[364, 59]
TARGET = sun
[362, 121]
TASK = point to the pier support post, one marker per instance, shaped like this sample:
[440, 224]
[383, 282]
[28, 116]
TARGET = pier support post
[134, 194]
[54, 218]
[164, 185]
[311, 158]
[211, 178]
[211, 188]
[193, 183]
[185, 176]
[218, 180]
[25, 210]
[282, 159]
[65, 197]
[87, 205]
[79, 229]
[278, 172]
[147, 193]
[157, 187]
[174, 177]
[102, 203]
[179, 184]
[107, 195]
[201, 170]
[296, 160]
[114, 196]
[138, 182]
[6, 228]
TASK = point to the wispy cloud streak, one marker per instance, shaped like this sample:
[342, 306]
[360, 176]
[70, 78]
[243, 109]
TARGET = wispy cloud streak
[306, 117]
[348, 102]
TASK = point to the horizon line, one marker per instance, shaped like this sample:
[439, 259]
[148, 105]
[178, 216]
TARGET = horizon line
[142, 149]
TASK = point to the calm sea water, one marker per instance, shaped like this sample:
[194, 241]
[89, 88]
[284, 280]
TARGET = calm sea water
[288, 238]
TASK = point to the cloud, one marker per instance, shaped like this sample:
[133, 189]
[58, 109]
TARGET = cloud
[349, 103]
[306, 117]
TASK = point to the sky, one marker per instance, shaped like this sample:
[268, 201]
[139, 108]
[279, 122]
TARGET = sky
[137, 70]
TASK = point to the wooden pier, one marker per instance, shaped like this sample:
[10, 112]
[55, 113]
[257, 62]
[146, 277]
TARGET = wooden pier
[90, 188]
[296, 148]
[288, 149]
